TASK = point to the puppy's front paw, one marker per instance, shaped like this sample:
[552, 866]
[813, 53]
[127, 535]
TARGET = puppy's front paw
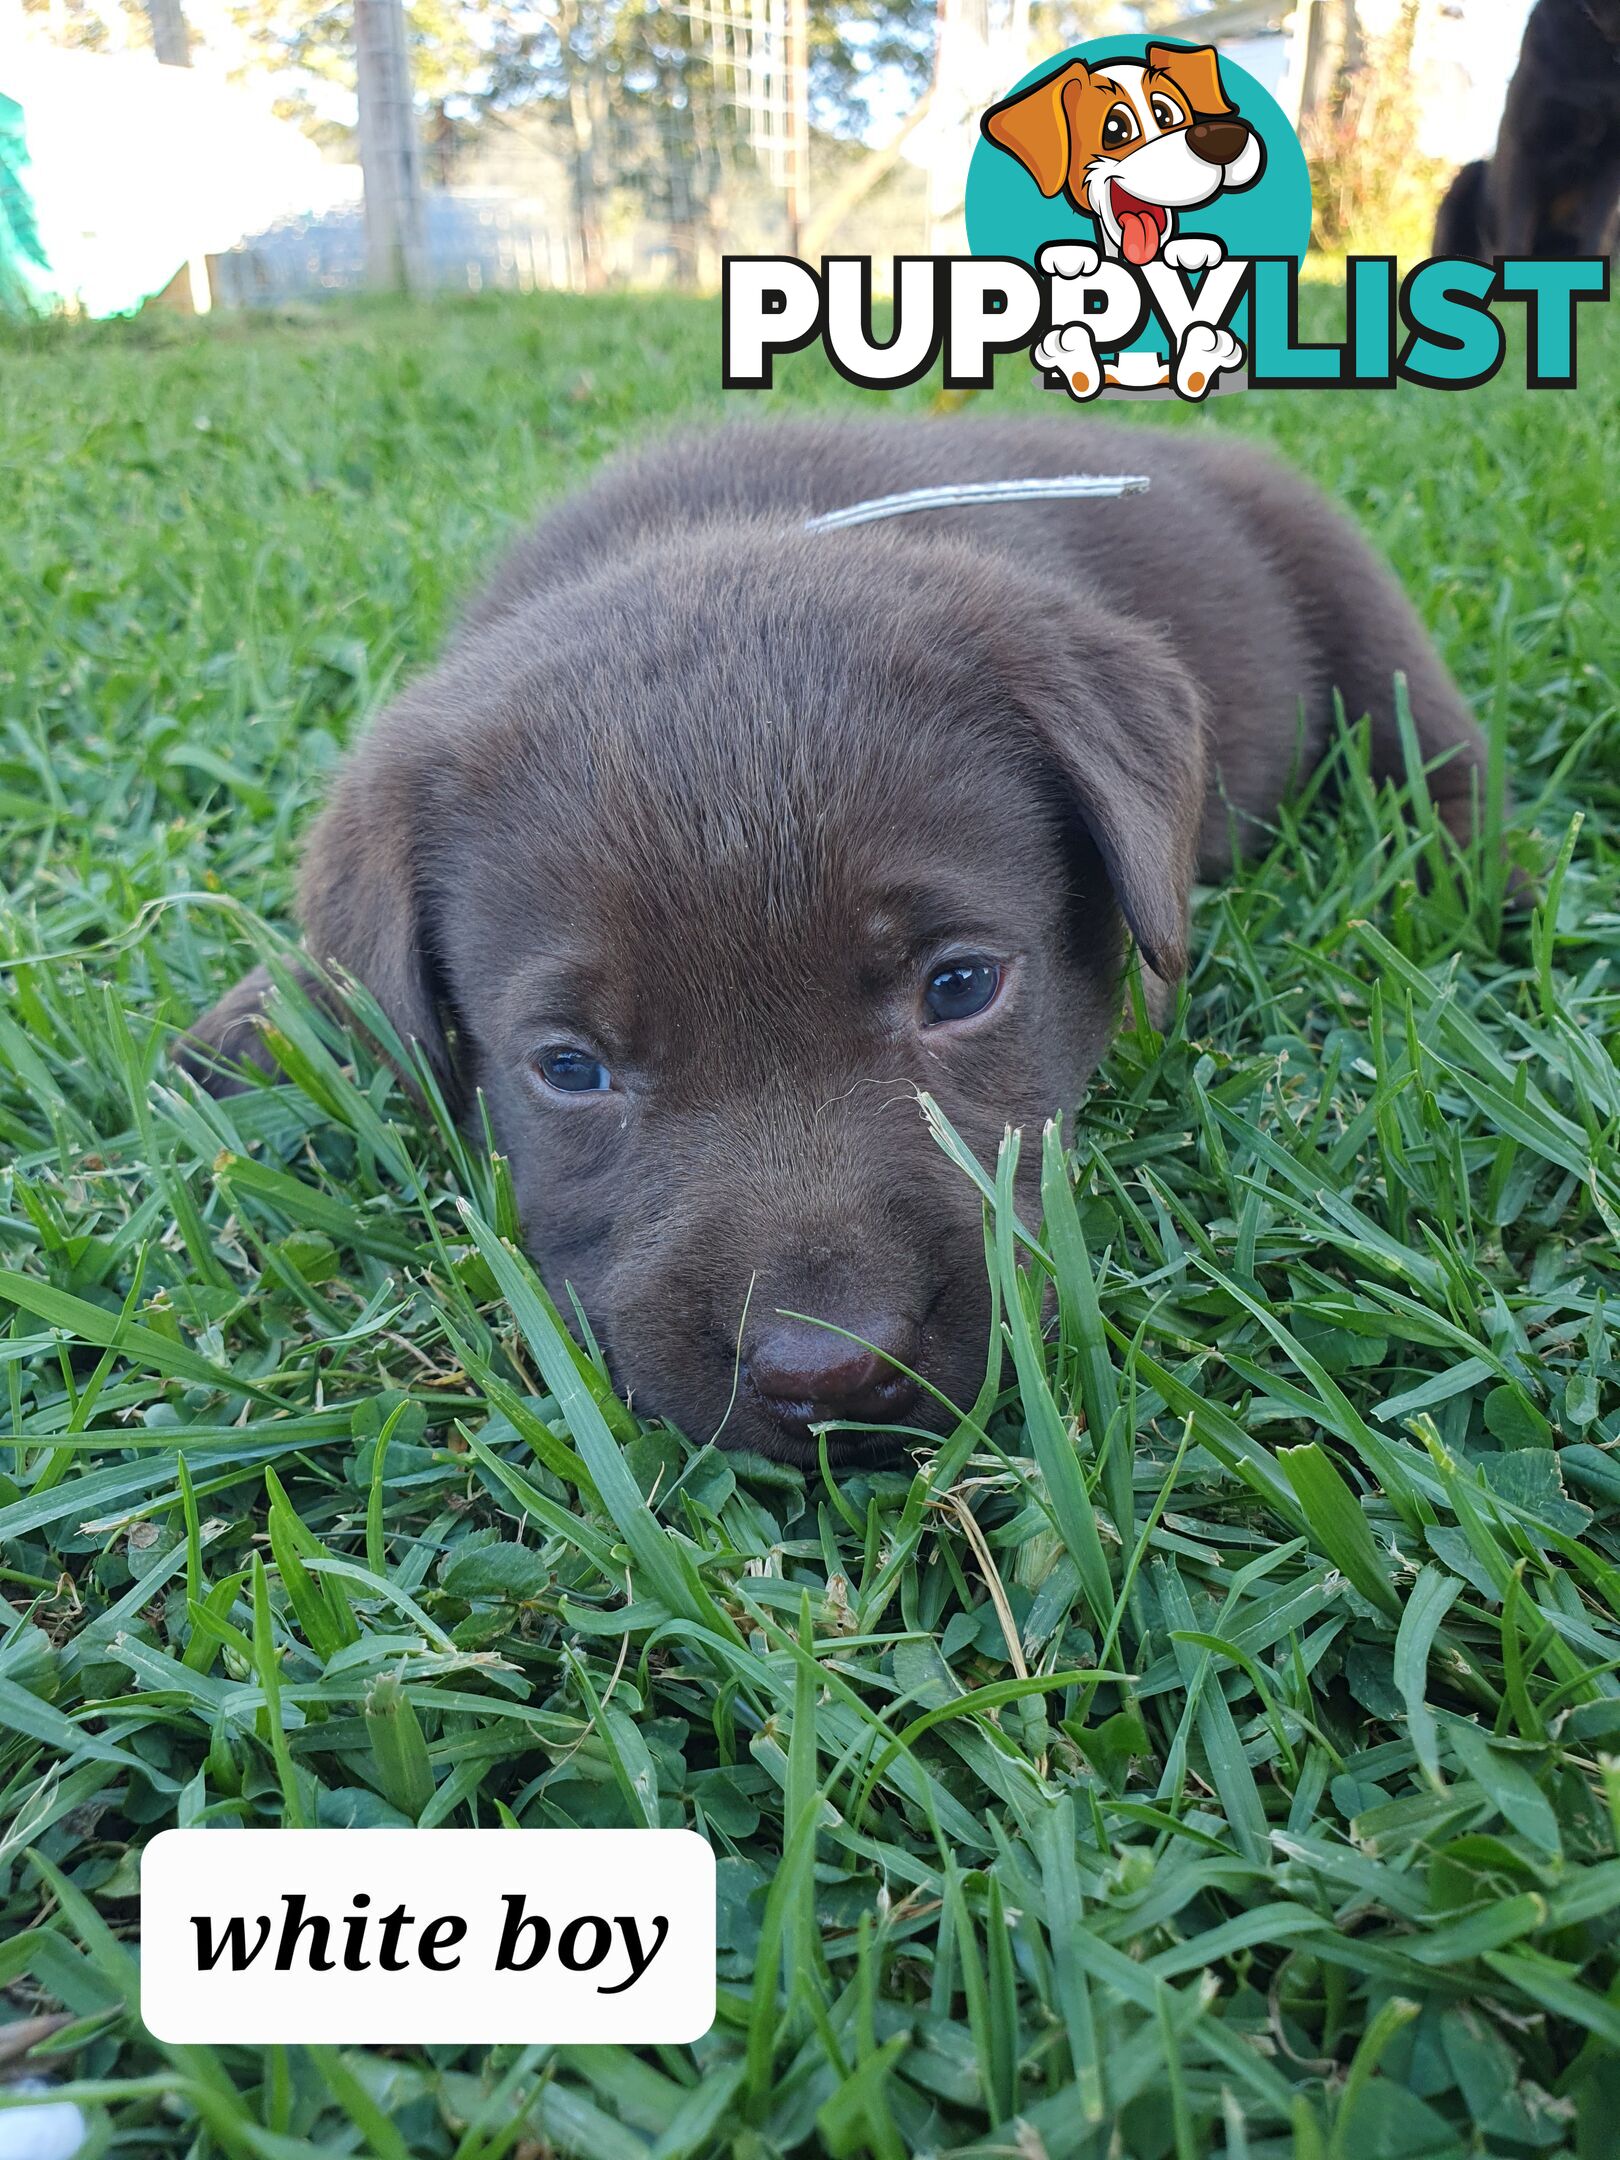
[1193, 251]
[1068, 259]
[1072, 353]
[1205, 353]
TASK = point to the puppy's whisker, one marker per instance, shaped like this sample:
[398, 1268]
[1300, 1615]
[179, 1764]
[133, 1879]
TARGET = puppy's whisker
[736, 1364]
[904, 1090]
[833, 1102]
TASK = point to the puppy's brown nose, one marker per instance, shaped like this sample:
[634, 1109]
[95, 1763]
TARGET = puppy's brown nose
[1217, 142]
[805, 1375]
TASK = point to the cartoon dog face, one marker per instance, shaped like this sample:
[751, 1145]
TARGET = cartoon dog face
[1131, 141]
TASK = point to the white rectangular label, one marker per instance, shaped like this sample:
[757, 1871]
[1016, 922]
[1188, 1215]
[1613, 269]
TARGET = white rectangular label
[470, 1935]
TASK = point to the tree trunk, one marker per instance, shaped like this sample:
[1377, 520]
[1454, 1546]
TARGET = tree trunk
[581, 68]
[587, 217]
[1332, 51]
[796, 87]
[390, 156]
[170, 40]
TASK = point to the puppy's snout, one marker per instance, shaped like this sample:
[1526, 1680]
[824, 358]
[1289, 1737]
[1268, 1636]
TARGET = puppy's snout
[805, 1375]
[1217, 142]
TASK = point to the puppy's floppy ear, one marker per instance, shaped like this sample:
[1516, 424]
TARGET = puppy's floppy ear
[1123, 726]
[225, 1042]
[363, 894]
[1196, 72]
[363, 904]
[1033, 126]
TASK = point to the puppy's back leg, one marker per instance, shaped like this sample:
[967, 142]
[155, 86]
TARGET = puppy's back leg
[1367, 632]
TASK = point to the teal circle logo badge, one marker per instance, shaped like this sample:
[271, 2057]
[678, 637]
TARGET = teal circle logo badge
[1123, 170]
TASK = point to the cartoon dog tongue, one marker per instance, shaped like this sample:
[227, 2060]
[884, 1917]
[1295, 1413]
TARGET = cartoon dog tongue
[1139, 236]
[1140, 225]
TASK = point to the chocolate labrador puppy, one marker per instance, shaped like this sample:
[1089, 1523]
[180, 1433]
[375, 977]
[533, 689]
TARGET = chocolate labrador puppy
[711, 841]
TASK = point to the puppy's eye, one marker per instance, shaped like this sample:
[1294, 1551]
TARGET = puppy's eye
[572, 1072]
[1165, 113]
[961, 989]
[1119, 127]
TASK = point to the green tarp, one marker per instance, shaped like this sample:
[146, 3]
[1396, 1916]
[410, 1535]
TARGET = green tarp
[23, 263]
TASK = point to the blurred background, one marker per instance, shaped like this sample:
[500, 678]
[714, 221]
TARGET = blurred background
[199, 154]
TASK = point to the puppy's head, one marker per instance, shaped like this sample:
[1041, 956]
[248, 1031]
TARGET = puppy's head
[701, 869]
[1131, 141]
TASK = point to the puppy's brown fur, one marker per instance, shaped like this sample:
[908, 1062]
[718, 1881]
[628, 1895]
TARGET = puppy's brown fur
[710, 796]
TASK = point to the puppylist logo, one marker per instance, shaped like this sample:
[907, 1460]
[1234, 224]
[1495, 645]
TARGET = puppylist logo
[1137, 212]
[1169, 176]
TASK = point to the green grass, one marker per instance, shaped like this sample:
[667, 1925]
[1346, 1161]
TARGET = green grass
[313, 1515]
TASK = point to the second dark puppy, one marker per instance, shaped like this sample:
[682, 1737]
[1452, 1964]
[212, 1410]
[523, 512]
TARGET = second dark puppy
[711, 841]
[1551, 186]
